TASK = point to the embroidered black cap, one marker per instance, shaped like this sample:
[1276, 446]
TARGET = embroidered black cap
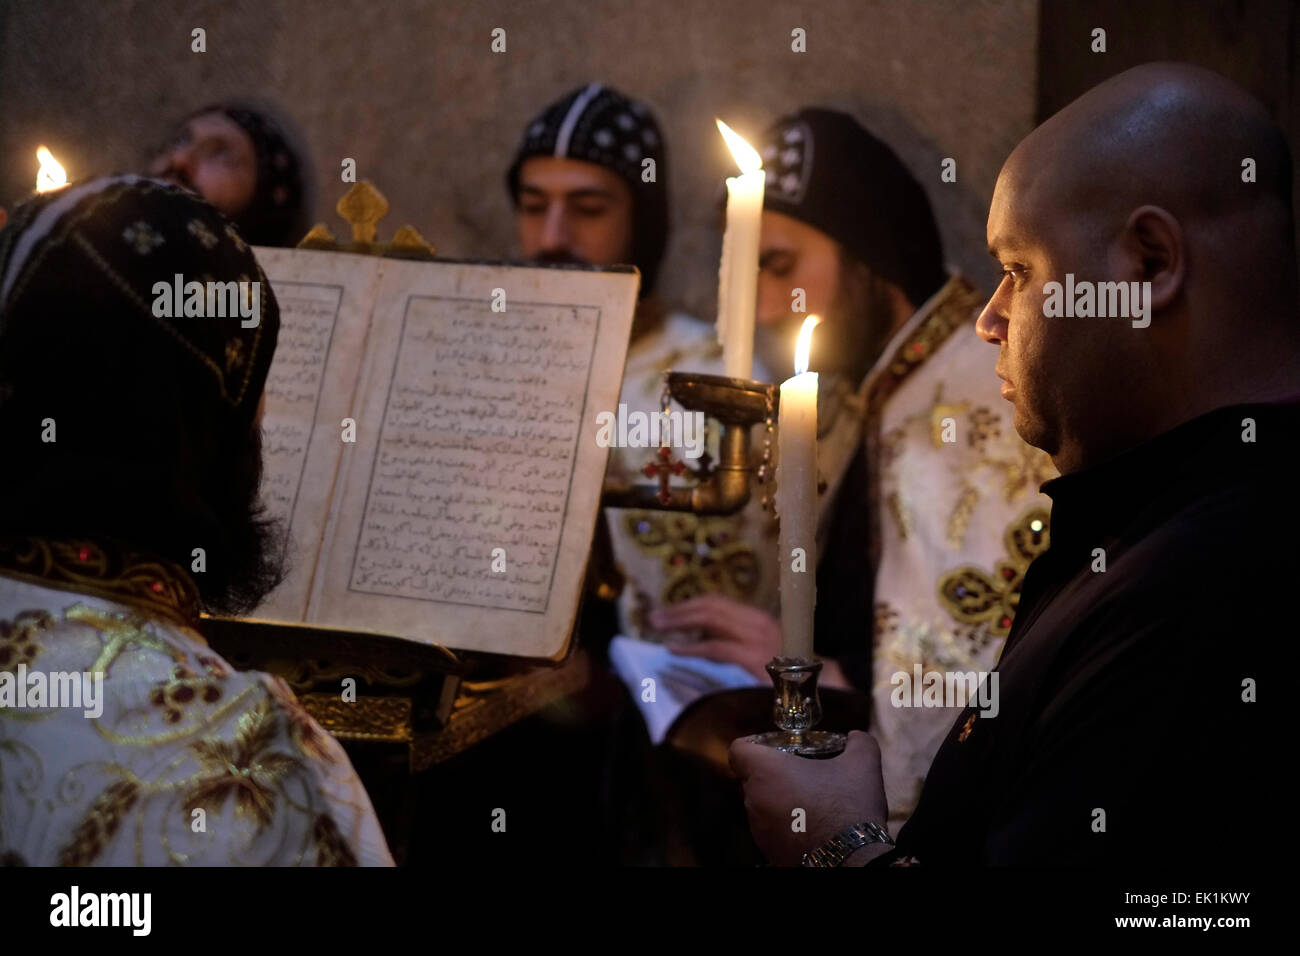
[597, 124]
[826, 170]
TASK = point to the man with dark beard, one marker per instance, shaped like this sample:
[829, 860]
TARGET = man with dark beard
[129, 502]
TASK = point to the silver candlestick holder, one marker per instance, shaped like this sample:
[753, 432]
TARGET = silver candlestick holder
[796, 710]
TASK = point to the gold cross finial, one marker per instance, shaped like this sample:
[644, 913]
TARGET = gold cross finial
[362, 207]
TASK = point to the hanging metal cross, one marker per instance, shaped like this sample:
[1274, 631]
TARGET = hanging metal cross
[664, 469]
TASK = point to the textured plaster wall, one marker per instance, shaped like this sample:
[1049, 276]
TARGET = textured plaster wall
[412, 91]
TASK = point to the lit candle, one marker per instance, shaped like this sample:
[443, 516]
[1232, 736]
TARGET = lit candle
[51, 175]
[796, 500]
[738, 274]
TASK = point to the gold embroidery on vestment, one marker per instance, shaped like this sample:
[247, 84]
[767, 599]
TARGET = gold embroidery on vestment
[242, 768]
[973, 596]
[100, 824]
[700, 555]
[967, 728]
[84, 566]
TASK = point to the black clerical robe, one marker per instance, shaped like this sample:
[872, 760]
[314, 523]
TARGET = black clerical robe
[1127, 731]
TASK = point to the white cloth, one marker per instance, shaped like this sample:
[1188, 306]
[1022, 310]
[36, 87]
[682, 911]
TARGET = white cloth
[677, 680]
[181, 731]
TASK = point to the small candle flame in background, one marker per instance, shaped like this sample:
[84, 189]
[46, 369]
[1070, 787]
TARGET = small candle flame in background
[747, 157]
[804, 345]
[51, 174]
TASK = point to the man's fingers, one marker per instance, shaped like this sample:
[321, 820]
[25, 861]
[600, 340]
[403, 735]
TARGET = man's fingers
[682, 615]
[706, 619]
[719, 616]
[713, 600]
[745, 756]
[748, 758]
[862, 745]
[709, 650]
[714, 605]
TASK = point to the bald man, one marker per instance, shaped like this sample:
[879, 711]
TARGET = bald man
[1125, 728]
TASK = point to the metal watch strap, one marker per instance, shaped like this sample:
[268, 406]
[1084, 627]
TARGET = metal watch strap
[836, 850]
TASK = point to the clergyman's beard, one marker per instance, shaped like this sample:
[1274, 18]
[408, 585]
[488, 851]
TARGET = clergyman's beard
[559, 257]
[854, 331]
[253, 555]
[869, 314]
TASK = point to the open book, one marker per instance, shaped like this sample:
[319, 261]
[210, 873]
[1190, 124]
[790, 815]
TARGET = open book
[457, 505]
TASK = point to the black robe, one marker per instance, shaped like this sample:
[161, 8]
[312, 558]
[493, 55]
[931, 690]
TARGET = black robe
[1123, 734]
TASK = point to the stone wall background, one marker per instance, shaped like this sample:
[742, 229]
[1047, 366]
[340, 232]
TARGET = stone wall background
[1254, 42]
[412, 91]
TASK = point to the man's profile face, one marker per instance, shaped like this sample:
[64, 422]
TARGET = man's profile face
[214, 157]
[573, 211]
[1052, 368]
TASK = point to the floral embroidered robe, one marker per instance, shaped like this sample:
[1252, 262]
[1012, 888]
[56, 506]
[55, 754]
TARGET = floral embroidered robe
[957, 517]
[190, 761]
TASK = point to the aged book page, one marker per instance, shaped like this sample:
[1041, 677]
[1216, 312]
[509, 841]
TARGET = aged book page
[465, 509]
[326, 299]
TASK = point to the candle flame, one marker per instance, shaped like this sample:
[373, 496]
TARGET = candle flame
[804, 345]
[747, 157]
[51, 175]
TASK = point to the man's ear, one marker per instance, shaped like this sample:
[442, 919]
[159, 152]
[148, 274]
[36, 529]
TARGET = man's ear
[1154, 240]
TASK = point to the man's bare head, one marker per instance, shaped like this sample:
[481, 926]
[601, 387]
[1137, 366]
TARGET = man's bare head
[1144, 179]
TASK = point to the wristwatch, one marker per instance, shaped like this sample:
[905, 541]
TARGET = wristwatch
[836, 850]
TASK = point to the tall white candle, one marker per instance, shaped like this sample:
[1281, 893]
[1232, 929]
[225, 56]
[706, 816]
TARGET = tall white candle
[796, 500]
[738, 273]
